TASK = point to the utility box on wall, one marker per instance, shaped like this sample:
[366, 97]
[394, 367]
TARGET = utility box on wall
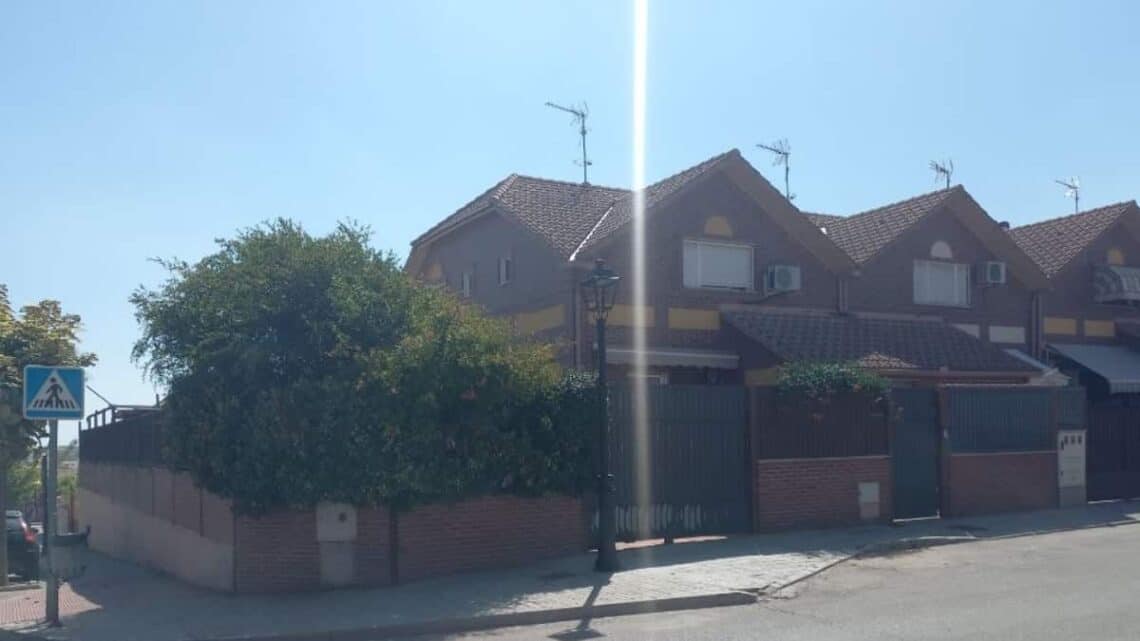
[336, 535]
[1071, 467]
[869, 501]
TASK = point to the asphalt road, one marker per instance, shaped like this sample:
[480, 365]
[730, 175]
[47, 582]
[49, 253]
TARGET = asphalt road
[1082, 584]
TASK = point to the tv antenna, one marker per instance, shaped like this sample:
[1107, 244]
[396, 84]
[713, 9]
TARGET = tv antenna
[782, 151]
[942, 170]
[1072, 190]
[580, 114]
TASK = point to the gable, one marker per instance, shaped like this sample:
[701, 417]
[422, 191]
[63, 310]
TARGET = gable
[1054, 243]
[729, 170]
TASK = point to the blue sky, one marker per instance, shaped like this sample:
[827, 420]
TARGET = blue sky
[141, 129]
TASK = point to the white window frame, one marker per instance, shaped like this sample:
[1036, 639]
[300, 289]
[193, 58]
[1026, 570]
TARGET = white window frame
[922, 294]
[694, 280]
[506, 270]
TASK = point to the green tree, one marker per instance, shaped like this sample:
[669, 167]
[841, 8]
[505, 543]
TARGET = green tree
[23, 481]
[306, 368]
[39, 334]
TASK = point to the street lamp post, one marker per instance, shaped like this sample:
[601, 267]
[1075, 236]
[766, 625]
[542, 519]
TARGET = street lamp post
[599, 290]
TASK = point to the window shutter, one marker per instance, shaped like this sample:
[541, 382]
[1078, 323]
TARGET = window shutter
[717, 265]
[691, 260]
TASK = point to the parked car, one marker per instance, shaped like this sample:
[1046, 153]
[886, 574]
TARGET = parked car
[23, 547]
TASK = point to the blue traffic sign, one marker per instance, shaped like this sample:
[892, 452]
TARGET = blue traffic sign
[52, 392]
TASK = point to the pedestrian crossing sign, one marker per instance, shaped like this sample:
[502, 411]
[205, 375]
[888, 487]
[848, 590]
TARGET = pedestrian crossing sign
[52, 392]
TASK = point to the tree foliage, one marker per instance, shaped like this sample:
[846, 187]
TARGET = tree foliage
[306, 368]
[40, 334]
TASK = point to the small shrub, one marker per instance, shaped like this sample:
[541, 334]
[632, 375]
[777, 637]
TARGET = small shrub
[822, 382]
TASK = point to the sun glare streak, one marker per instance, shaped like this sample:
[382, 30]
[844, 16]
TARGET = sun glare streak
[640, 369]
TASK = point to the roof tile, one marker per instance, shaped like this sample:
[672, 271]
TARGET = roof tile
[865, 234]
[1053, 243]
[570, 216]
[877, 343]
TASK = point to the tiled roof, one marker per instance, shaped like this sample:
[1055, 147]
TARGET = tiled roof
[562, 213]
[570, 216]
[821, 220]
[1053, 243]
[877, 343]
[863, 235]
[622, 213]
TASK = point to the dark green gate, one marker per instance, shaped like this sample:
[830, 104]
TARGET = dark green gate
[690, 464]
[914, 453]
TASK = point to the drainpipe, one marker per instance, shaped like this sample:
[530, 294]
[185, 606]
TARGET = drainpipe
[1037, 323]
[575, 312]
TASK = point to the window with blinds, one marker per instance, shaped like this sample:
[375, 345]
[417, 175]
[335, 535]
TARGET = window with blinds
[941, 283]
[717, 265]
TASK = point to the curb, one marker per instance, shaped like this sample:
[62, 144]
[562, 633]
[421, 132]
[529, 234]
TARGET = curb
[536, 617]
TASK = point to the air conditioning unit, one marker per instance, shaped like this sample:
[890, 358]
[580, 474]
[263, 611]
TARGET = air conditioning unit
[782, 278]
[993, 273]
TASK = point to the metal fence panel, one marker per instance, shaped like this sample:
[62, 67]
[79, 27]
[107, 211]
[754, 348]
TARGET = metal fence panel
[687, 472]
[136, 440]
[852, 425]
[999, 419]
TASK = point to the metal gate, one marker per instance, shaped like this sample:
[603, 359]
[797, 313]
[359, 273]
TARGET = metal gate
[1113, 452]
[692, 460]
[914, 453]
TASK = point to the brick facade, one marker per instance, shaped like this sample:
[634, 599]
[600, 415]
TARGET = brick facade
[488, 532]
[819, 492]
[279, 551]
[1001, 482]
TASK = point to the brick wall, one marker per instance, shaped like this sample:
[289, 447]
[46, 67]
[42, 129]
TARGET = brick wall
[817, 492]
[1001, 482]
[488, 532]
[162, 519]
[277, 552]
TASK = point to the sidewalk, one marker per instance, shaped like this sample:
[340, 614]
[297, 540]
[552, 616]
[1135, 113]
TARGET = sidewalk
[119, 602]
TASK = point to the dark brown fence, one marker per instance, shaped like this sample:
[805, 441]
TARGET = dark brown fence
[135, 439]
[1010, 419]
[847, 425]
[687, 470]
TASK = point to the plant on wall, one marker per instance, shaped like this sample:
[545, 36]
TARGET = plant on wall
[822, 382]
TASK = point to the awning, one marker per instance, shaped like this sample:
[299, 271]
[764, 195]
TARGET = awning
[1118, 365]
[1048, 376]
[1114, 284]
[664, 357]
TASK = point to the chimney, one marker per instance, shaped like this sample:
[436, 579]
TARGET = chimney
[1004, 224]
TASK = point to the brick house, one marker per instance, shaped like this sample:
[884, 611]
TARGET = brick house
[739, 280]
[1091, 314]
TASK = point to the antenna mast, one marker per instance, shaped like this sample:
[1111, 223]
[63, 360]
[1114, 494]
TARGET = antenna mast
[580, 114]
[1072, 190]
[942, 170]
[782, 152]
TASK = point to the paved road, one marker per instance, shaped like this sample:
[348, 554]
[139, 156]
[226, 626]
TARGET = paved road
[1071, 585]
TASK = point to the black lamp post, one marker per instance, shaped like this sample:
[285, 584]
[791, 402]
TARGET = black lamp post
[599, 290]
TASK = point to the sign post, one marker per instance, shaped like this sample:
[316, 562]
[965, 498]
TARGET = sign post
[52, 393]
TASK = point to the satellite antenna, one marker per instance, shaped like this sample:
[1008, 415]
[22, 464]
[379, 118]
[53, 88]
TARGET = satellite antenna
[781, 151]
[942, 170]
[580, 114]
[1072, 190]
